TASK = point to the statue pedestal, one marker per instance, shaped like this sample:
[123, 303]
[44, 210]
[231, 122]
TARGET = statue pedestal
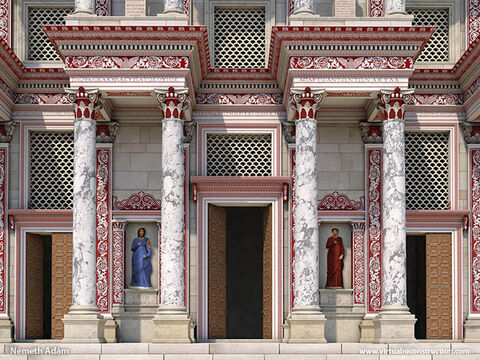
[141, 299]
[343, 317]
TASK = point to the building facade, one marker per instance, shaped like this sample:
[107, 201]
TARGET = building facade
[238, 135]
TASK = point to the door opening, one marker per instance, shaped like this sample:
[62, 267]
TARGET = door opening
[239, 276]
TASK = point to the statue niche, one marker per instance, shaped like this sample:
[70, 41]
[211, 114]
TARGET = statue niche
[141, 261]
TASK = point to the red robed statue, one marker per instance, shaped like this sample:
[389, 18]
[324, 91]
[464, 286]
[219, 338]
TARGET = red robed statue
[335, 255]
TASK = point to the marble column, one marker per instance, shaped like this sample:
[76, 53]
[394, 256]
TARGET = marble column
[172, 323]
[6, 326]
[303, 7]
[174, 6]
[83, 322]
[306, 322]
[396, 7]
[84, 7]
[395, 323]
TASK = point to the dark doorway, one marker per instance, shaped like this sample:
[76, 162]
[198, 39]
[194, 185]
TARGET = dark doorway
[239, 272]
[416, 283]
[244, 273]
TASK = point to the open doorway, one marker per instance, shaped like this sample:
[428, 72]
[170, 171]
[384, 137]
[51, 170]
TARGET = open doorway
[48, 282]
[240, 272]
[429, 284]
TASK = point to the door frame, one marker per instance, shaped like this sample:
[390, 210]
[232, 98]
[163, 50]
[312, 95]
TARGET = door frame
[277, 255]
[457, 308]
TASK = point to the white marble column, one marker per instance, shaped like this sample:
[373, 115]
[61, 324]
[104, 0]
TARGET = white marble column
[173, 103]
[174, 6]
[84, 306]
[84, 7]
[394, 256]
[396, 7]
[306, 309]
[303, 7]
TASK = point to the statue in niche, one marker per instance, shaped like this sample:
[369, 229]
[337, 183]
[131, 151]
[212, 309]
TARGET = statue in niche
[141, 261]
[335, 256]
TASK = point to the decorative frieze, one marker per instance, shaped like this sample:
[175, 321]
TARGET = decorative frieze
[239, 99]
[473, 20]
[371, 133]
[349, 63]
[106, 132]
[5, 20]
[338, 201]
[358, 262]
[103, 7]
[376, 8]
[137, 201]
[127, 62]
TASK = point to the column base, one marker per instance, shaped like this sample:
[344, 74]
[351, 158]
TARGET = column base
[83, 324]
[172, 325]
[110, 332]
[394, 324]
[367, 329]
[305, 325]
[6, 329]
[471, 329]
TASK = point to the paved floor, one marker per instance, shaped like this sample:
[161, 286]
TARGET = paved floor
[240, 351]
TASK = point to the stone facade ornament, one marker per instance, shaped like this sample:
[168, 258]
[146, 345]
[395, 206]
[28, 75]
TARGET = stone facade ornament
[84, 7]
[6, 131]
[188, 131]
[83, 322]
[371, 133]
[471, 132]
[172, 323]
[303, 7]
[289, 132]
[106, 132]
[394, 323]
[306, 322]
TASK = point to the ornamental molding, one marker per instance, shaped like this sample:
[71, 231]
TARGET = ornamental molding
[239, 99]
[106, 132]
[437, 99]
[103, 7]
[241, 184]
[138, 201]
[376, 8]
[41, 99]
[3, 230]
[473, 20]
[127, 62]
[349, 63]
[358, 262]
[371, 133]
[339, 201]
[5, 19]
[118, 267]
[475, 232]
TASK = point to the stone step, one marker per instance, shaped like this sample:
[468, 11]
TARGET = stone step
[240, 351]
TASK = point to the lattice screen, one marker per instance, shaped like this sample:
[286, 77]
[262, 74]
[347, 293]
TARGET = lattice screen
[51, 170]
[39, 47]
[437, 47]
[239, 155]
[427, 171]
[239, 39]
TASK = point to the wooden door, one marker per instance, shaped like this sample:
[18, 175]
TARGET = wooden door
[62, 249]
[34, 274]
[267, 272]
[439, 286]
[217, 272]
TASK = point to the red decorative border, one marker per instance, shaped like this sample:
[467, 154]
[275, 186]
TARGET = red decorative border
[138, 201]
[118, 263]
[349, 63]
[374, 228]
[473, 20]
[339, 201]
[5, 21]
[103, 228]
[41, 99]
[3, 229]
[437, 99]
[376, 8]
[475, 229]
[103, 7]
[358, 261]
[239, 99]
[292, 227]
[127, 62]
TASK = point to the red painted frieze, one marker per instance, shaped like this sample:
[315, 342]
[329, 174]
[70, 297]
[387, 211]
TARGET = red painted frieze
[103, 7]
[41, 99]
[126, 62]
[239, 99]
[358, 261]
[437, 99]
[339, 201]
[5, 20]
[118, 266]
[473, 20]
[475, 229]
[376, 8]
[348, 63]
[137, 201]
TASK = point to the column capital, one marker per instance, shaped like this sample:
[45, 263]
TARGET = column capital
[188, 130]
[106, 132]
[119, 224]
[85, 102]
[371, 133]
[358, 225]
[392, 103]
[470, 132]
[84, 7]
[175, 6]
[6, 131]
[289, 131]
[396, 7]
[303, 7]
[305, 102]
[173, 102]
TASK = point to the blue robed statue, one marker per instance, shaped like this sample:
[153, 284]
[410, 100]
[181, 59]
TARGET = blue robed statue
[141, 261]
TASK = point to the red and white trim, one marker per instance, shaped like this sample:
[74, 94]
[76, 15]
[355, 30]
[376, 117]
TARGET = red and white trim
[376, 8]
[358, 261]
[6, 21]
[474, 199]
[118, 263]
[472, 20]
[103, 7]
[3, 229]
[103, 226]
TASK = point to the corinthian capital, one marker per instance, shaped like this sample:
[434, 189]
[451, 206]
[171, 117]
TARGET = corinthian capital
[305, 102]
[6, 131]
[392, 103]
[173, 102]
[85, 102]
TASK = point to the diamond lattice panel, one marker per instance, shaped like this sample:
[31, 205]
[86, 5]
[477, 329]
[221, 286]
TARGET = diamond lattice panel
[39, 47]
[239, 38]
[437, 47]
[51, 170]
[239, 155]
[427, 171]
